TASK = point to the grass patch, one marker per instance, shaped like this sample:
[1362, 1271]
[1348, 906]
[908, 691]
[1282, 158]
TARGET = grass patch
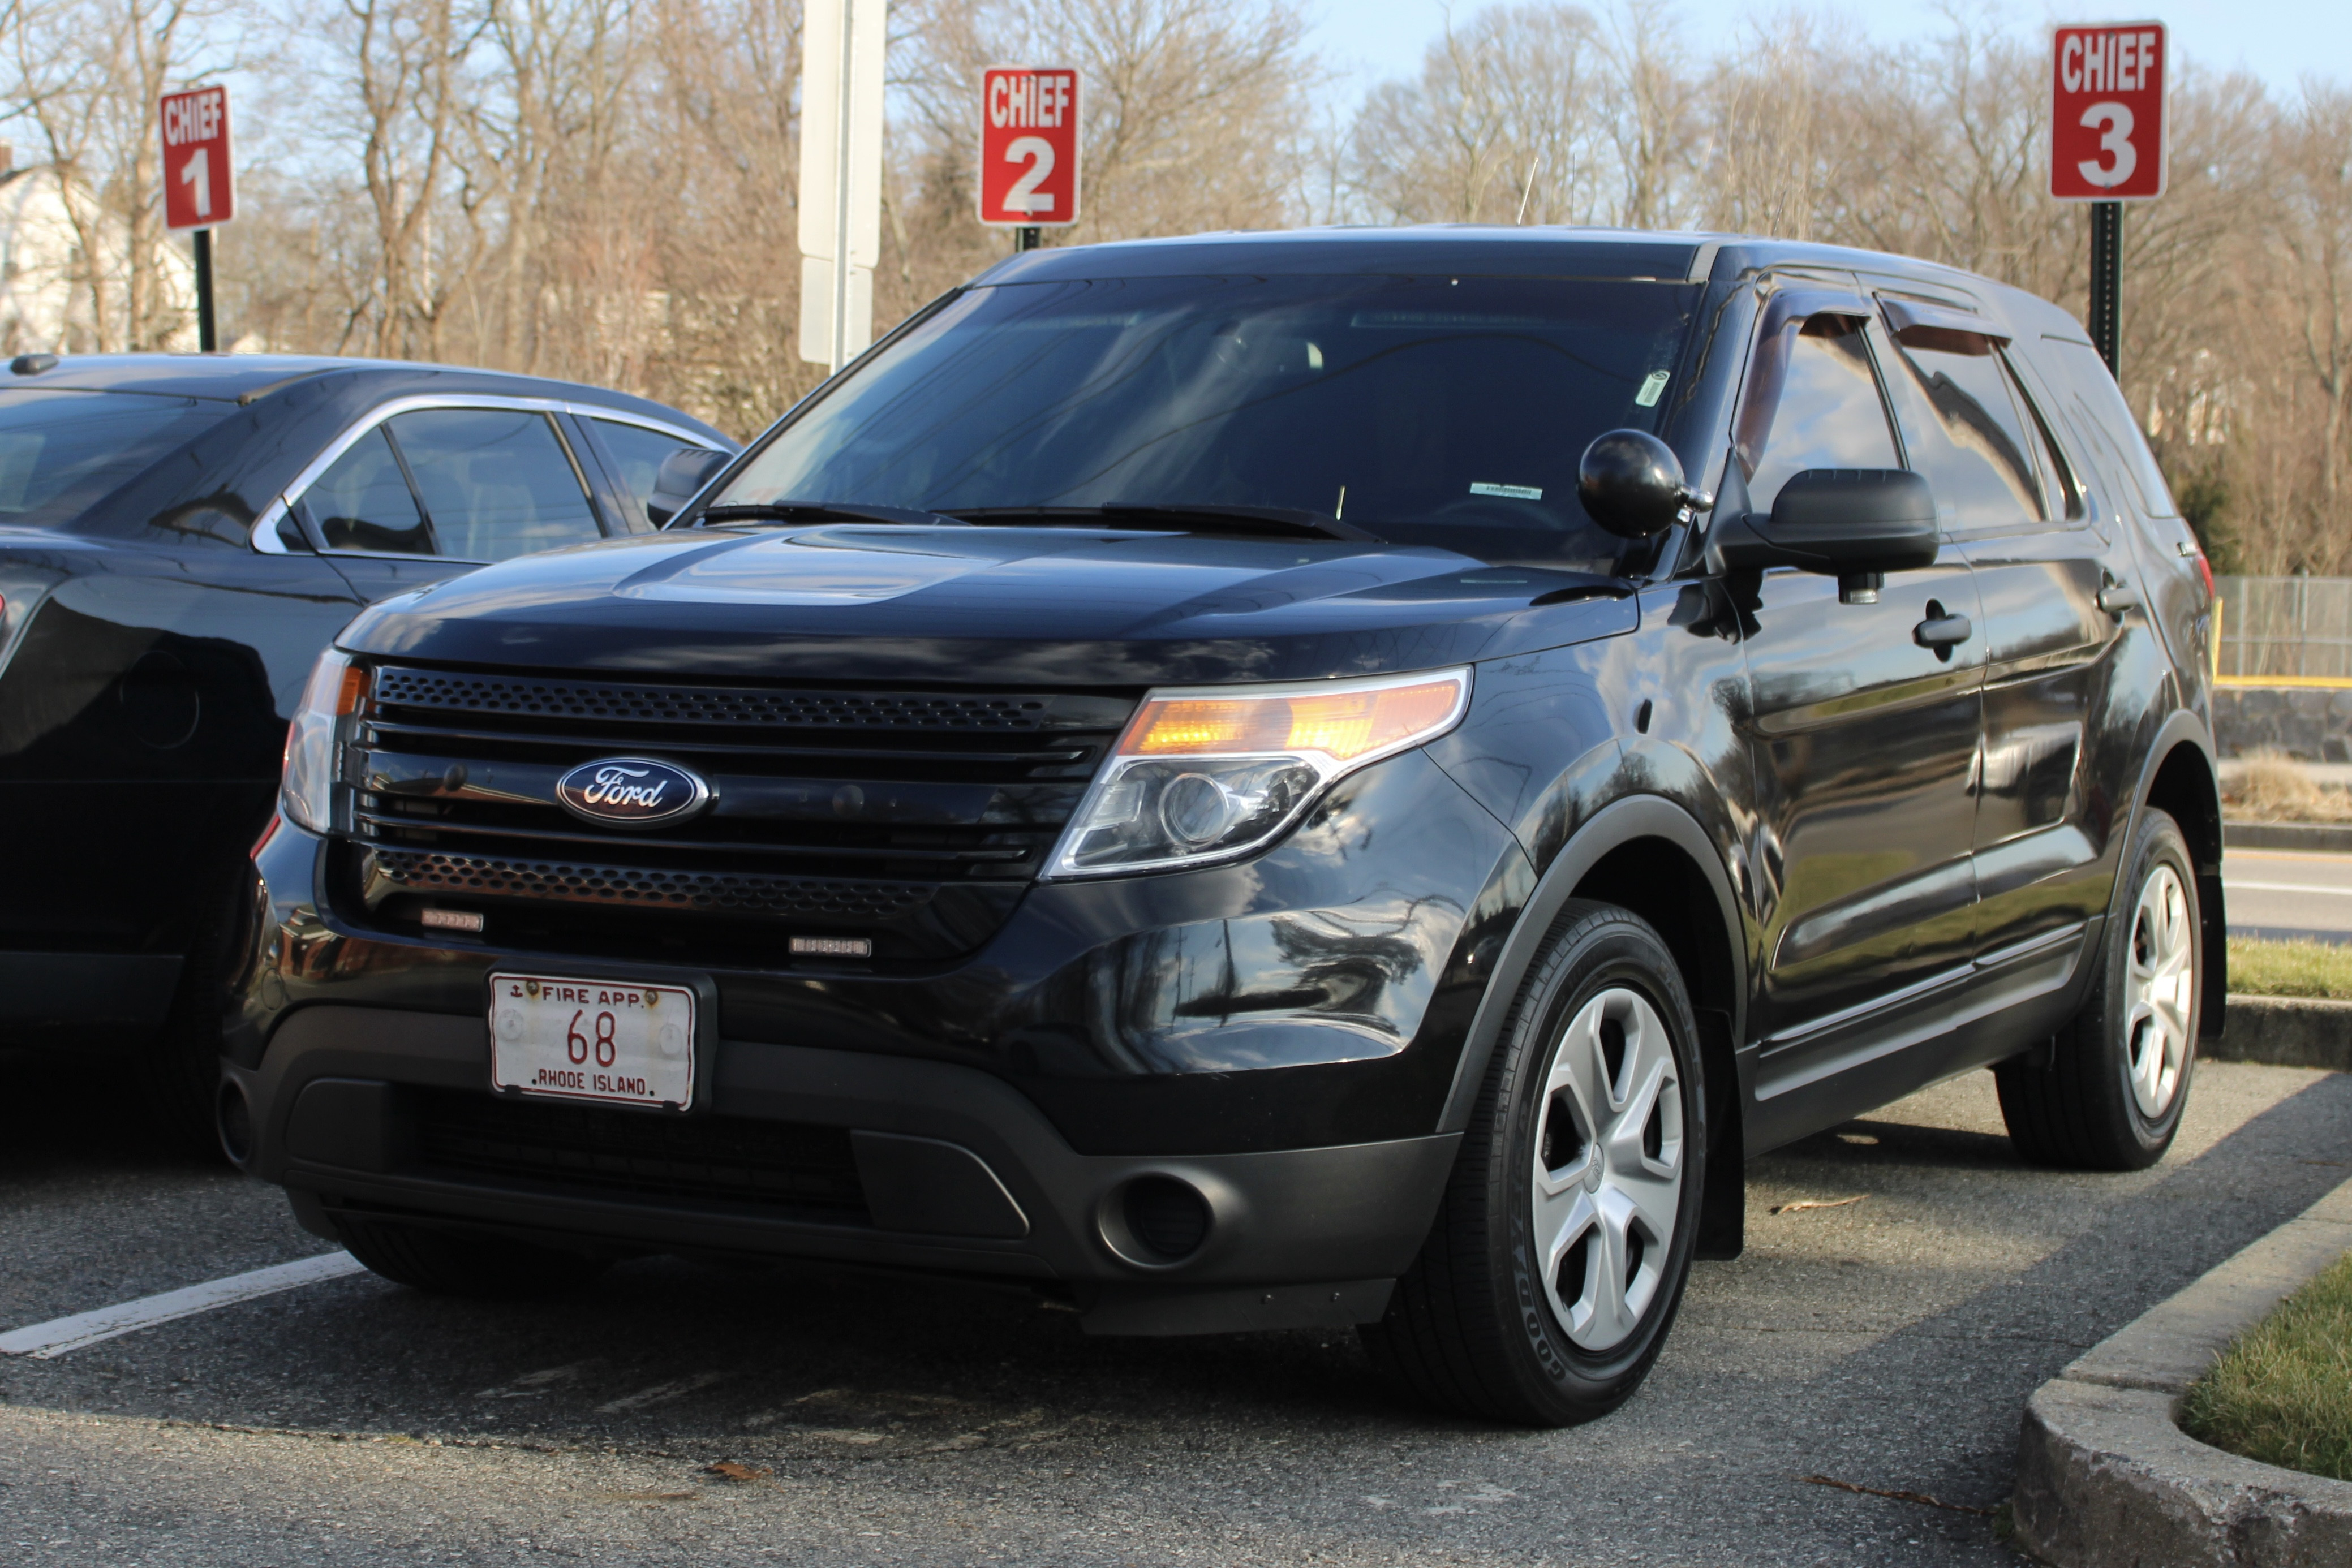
[2290, 969]
[2282, 1394]
[2271, 787]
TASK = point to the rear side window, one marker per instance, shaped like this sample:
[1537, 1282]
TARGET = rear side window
[497, 483]
[1830, 414]
[1965, 430]
[638, 453]
[61, 451]
[363, 502]
[2109, 420]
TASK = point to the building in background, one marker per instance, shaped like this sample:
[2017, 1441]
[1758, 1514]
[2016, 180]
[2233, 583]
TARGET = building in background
[52, 298]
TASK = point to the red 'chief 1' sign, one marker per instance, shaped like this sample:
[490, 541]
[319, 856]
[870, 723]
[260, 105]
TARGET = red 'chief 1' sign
[199, 185]
[2106, 122]
[1029, 147]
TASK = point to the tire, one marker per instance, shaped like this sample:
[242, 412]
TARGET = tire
[1476, 1326]
[484, 1268]
[181, 1076]
[2111, 1093]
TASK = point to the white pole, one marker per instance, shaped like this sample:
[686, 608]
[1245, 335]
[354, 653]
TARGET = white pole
[849, 19]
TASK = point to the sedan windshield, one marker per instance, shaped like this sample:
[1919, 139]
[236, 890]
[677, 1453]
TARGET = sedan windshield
[1420, 410]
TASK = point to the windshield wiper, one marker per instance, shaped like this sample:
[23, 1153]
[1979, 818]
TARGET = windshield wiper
[821, 512]
[1285, 522]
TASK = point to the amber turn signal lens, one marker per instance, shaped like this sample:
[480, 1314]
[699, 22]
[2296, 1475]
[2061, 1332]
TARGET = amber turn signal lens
[1340, 724]
[355, 684]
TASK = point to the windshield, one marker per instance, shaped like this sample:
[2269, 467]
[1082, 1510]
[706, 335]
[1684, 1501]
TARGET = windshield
[1424, 411]
[62, 450]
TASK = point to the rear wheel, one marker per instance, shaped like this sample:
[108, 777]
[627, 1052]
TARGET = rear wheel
[181, 1081]
[1560, 1249]
[444, 1263]
[2116, 1080]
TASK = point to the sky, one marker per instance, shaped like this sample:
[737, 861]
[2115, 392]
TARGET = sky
[2278, 40]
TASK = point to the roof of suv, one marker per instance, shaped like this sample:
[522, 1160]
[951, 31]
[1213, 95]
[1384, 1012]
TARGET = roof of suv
[1475, 250]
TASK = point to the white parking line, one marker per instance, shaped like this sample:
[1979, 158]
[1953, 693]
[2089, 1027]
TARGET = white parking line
[48, 1341]
[2230, 884]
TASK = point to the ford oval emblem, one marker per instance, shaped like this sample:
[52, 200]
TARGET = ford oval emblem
[632, 793]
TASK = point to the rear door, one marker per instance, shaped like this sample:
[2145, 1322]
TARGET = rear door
[1864, 745]
[419, 493]
[2020, 510]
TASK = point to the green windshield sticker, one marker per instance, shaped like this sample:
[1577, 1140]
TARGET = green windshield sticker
[1651, 388]
[1514, 492]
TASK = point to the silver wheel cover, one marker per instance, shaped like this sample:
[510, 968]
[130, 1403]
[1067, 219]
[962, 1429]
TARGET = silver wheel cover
[1608, 1168]
[2159, 992]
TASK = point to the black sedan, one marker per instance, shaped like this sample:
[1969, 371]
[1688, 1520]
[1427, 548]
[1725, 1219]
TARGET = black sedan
[179, 536]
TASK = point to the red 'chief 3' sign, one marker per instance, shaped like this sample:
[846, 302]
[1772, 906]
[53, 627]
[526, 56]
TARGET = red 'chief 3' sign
[199, 185]
[2106, 122]
[1029, 147]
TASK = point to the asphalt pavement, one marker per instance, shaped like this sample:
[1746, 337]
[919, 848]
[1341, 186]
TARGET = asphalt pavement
[1885, 1344]
[2287, 894]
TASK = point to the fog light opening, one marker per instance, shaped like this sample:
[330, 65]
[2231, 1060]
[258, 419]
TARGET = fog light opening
[233, 1119]
[1167, 1219]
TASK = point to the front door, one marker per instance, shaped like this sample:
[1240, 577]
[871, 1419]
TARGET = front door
[1863, 739]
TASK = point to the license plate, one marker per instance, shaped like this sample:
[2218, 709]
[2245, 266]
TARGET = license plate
[592, 1040]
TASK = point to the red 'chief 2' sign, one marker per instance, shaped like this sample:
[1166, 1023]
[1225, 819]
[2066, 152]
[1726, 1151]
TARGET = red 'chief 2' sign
[199, 184]
[2106, 120]
[1029, 147]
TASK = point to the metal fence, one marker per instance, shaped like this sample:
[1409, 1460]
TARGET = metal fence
[2292, 628]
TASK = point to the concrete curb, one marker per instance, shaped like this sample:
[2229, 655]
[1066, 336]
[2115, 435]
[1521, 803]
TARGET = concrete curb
[2285, 1031]
[2106, 1480]
[2319, 837]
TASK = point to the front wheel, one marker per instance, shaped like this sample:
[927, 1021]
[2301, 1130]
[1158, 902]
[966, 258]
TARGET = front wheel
[2111, 1095]
[1559, 1255]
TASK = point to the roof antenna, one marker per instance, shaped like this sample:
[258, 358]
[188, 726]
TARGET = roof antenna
[1529, 189]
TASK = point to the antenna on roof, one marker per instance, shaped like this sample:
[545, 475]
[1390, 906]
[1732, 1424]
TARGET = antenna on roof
[1529, 189]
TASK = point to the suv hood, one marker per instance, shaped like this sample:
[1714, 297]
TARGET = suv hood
[1011, 606]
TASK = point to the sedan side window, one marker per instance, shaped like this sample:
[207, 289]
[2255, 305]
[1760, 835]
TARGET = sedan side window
[1830, 414]
[639, 453]
[496, 482]
[363, 502]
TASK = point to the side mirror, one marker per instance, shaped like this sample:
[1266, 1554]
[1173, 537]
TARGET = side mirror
[682, 474]
[1631, 485]
[1853, 523]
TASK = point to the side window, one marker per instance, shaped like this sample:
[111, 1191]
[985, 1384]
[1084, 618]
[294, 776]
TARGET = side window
[496, 482]
[2061, 491]
[639, 451]
[1829, 414]
[363, 502]
[1965, 430]
[2095, 390]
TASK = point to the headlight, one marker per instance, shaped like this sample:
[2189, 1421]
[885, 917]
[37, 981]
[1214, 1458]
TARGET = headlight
[335, 689]
[1214, 772]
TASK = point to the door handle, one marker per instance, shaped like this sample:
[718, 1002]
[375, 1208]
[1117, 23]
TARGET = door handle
[2118, 600]
[1942, 632]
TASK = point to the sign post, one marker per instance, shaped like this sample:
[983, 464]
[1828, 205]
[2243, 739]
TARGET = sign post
[199, 183]
[2108, 147]
[1029, 150]
[841, 176]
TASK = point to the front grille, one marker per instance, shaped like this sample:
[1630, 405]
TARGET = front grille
[775, 1165]
[424, 689]
[913, 818]
[703, 892]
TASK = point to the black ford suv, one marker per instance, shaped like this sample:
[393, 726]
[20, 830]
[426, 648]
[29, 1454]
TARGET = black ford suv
[1319, 779]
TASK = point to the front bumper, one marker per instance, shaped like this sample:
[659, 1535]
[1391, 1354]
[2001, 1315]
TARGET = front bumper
[1277, 1036]
[960, 1173]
